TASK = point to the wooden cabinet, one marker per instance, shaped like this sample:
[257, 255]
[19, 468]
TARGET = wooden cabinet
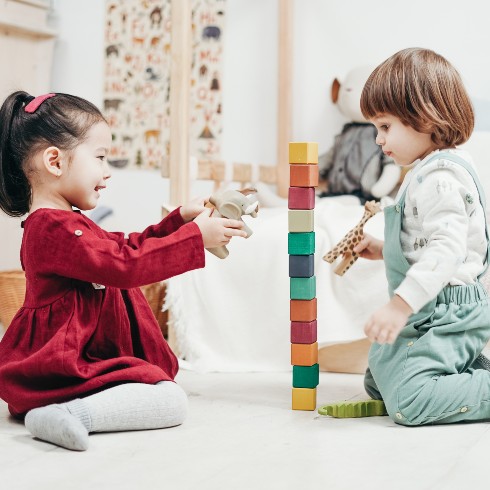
[26, 46]
[26, 54]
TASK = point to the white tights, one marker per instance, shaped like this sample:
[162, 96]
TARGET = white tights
[131, 406]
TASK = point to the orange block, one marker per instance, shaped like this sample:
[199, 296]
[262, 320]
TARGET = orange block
[302, 310]
[303, 175]
[304, 354]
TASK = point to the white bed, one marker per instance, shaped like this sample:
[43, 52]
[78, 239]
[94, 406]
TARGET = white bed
[233, 315]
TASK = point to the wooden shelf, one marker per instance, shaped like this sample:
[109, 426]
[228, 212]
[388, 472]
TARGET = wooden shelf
[216, 170]
[44, 4]
[15, 28]
[26, 17]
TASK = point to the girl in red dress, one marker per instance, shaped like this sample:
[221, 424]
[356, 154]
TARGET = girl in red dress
[85, 353]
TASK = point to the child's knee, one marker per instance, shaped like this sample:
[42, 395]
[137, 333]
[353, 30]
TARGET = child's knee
[406, 418]
[403, 405]
[180, 403]
[175, 401]
[412, 406]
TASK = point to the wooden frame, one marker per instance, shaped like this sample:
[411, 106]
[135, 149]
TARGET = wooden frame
[179, 101]
[284, 94]
[178, 169]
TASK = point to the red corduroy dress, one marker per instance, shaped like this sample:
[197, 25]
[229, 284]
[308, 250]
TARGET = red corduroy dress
[70, 339]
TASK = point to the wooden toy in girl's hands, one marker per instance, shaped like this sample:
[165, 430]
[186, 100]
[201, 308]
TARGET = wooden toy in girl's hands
[233, 204]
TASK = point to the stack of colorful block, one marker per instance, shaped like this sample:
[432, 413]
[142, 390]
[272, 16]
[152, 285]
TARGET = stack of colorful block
[303, 166]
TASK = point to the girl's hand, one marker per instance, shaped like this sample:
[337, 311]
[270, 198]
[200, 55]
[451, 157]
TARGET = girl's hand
[385, 324]
[370, 248]
[218, 231]
[193, 208]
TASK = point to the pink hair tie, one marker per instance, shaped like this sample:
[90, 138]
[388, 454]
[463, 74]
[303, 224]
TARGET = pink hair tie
[34, 104]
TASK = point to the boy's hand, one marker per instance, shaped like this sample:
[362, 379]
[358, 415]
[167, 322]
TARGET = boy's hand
[386, 323]
[370, 248]
[218, 231]
[193, 208]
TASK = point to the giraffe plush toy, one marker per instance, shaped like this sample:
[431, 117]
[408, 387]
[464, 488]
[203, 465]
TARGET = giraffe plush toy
[346, 245]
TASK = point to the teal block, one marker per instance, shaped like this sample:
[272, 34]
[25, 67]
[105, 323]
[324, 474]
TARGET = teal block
[301, 243]
[306, 376]
[302, 287]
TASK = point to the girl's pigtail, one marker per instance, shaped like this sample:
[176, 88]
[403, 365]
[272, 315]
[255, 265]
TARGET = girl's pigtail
[15, 190]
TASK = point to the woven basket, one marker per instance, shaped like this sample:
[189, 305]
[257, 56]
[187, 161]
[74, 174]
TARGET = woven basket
[155, 295]
[12, 294]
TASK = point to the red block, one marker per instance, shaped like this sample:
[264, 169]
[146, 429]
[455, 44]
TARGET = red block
[301, 198]
[303, 332]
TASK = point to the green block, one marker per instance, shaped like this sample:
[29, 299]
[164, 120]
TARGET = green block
[306, 376]
[301, 243]
[302, 287]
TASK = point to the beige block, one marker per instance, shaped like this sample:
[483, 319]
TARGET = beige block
[301, 220]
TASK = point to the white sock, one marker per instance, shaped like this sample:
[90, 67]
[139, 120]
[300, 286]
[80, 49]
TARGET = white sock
[131, 406]
[65, 425]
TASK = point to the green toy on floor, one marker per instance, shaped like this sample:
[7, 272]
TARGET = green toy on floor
[354, 409]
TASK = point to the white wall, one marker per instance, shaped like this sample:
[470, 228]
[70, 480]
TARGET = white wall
[330, 37]
[250, 81]
[79, 50]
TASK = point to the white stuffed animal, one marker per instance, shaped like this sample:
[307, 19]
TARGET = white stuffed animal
[355, 164]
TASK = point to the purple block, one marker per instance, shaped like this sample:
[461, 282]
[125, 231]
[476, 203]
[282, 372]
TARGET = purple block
[303, 332]
[301, 198]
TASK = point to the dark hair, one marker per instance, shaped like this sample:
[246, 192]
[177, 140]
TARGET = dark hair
[425, 92]
[62, 121]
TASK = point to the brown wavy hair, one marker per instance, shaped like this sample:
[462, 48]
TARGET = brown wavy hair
[423, 90]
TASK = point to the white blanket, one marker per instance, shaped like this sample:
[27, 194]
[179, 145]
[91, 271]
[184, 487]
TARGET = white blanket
[233, 315]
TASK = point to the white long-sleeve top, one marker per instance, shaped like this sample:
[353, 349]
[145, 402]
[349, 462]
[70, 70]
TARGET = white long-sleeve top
[443, 229]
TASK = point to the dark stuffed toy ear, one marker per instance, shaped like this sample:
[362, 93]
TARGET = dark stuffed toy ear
[335, 91]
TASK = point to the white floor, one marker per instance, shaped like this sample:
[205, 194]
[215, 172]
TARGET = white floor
[241, 434]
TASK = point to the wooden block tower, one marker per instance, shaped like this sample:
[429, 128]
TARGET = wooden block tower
[303, 167]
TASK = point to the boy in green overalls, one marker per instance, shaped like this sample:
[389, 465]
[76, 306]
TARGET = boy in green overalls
[425, 362]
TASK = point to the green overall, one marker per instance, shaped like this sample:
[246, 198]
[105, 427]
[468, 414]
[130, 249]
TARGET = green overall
[434, 372]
